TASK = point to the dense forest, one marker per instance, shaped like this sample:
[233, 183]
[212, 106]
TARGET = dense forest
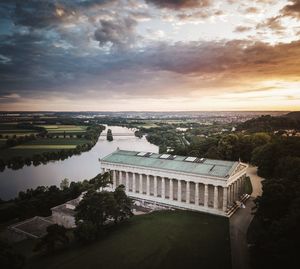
[274, 233]
[269, 124]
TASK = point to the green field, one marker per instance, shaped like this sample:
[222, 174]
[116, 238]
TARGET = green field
[26, 147]
[68, 129]
[167, 239]
[58, 141]
[12, 130]
[9, 153]
[40, 146]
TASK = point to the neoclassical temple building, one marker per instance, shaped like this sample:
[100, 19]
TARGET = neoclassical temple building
[206, 185]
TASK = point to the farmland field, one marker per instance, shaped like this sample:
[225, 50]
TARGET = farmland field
[9, 153]
[44, 147]
[57, 141]
[64, 137]
[64, 129]
[41, 145]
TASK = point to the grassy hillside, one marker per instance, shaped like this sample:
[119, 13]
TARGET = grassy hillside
[169, 239]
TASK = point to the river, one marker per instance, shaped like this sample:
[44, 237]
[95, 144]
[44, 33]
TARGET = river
[75, 168]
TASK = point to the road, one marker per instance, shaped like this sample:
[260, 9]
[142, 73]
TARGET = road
[240, 222]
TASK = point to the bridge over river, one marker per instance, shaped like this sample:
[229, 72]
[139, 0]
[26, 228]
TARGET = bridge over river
[120, 134]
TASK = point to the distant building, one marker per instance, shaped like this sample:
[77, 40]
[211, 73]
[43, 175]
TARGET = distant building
[211, 186]
[64, 214]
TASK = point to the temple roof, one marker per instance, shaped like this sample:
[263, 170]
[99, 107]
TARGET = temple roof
[201, 166]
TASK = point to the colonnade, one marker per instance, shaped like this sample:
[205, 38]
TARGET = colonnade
[183, 192]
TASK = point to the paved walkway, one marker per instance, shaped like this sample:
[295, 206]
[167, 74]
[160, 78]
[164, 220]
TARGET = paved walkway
[240, 222]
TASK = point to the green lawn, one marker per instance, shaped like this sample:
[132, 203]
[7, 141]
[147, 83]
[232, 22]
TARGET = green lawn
[170, 239]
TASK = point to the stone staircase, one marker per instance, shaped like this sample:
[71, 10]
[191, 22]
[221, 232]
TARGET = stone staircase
[235, 207]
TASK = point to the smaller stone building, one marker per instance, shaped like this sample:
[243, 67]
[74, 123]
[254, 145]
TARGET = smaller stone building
[64, 214]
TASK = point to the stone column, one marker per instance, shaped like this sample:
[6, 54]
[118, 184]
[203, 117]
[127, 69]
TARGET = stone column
[163, 188]
[148, 185]
[155, 186]
[133, 182]
[196, 193]
[171, 189]
[232, 193]
[205, 195]
[114, 179]
[187, 196]
[224, 199]
[236, 191]
[216, 197]
[127, 182]
[120, 178]
[179, 191]
[141, 184]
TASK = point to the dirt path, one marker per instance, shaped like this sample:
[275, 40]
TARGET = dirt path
[240, 222]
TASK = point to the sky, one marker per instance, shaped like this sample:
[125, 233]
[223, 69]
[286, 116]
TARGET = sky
[149, 55]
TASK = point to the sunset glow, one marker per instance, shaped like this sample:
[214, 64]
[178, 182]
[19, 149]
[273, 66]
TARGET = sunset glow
[150, 55]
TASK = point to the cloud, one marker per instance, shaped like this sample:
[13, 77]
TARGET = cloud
[141, 15]
[9, 96]
[244, 59]
[251, 10]
[273, 23]
[4, 59]
[242, 29]
[293, 9]
[46, 13]
[118, 33]
[180, 4]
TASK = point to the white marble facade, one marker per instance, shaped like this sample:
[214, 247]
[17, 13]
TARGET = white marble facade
[182, 190]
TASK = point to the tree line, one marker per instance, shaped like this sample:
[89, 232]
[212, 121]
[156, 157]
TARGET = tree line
[96, 214]
[17, 162]
[275, 233]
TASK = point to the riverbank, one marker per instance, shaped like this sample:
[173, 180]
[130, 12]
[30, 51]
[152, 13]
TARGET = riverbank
[75, 168]
[56, 142]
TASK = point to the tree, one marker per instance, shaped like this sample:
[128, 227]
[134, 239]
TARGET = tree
[229, 147]
[97, 209]
[124, 205]
[64, 184]
[109, 135]
[102, 180]
[86, 232]
[92, 208]
[56, 237]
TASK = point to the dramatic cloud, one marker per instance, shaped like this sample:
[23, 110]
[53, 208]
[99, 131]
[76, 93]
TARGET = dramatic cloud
[180, 4]
[119, 33]
[273, 23]
[239, 58]
[293, 9]
[125, 52]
